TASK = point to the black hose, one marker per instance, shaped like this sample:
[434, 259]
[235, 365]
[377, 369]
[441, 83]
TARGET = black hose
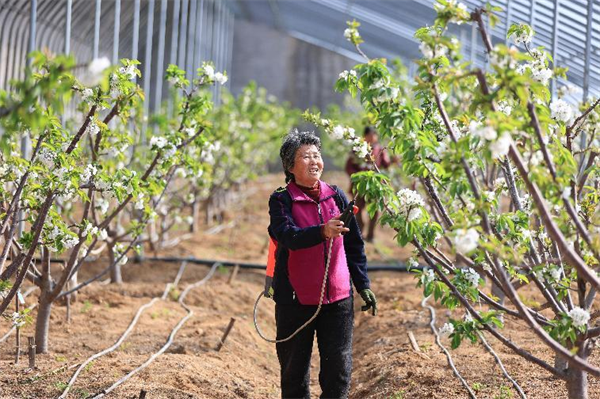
[398, 267]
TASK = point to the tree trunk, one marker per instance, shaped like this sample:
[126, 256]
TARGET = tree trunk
[577, 383]
[42, 323]
[115, 268]
[72, 283]
[577, 379]
[560, 363]
[195, 213]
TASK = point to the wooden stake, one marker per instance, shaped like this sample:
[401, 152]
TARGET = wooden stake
[31, 352]
[233, 274]
[68, 299]
[18, 333]
[142, 394]
[227, 331]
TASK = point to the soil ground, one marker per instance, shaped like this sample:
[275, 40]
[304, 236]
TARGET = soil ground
[385, 364]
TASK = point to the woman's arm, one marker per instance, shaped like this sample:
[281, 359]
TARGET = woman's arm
[355, 251]
[283, 229]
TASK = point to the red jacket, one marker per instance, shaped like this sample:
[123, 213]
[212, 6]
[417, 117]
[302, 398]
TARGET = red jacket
[382, 160]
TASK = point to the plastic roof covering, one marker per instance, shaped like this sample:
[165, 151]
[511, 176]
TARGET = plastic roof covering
[210, 38]
[388, 26]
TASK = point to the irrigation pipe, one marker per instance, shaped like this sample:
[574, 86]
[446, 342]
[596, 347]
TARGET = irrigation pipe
[439, 343]
[493, 353]
[125, 334]
[399, 267]
[171, 336]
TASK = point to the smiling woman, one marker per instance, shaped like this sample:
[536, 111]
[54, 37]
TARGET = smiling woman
[308, 165]
[314, 270]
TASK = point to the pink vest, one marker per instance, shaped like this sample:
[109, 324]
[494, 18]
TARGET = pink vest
[306, 267]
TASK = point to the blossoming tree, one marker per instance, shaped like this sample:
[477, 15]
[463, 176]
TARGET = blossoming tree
[86, 167]
[508, 187]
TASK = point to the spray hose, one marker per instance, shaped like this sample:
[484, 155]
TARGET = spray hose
[303, 326]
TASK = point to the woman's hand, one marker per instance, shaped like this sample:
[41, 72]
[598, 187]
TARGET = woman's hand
[334, 228]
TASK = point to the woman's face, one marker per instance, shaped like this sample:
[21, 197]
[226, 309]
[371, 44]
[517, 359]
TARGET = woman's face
[308, 165]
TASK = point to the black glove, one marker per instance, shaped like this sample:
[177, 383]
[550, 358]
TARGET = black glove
[370, 301]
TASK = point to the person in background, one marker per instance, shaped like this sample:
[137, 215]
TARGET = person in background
[304, 221]
[354, 165]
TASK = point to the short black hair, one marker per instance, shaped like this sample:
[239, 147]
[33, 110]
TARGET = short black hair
[369, 129]
[291, 143]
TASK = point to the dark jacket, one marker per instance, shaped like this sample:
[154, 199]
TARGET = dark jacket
[302, 251]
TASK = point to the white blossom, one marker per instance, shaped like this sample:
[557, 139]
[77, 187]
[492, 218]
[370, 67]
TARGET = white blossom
[414, 214]
[170, 150]
[361, 149]
[139, 205]
[446, 330]
[410, 203]
[537, 158]
[524, 38]
[500, 60]
[428, 276]
[472, 277]
[103, 235]
[54, 233]
[129, 71]
[500, 147]
[542, 75]
[158, 142]
[429, 52]
[566, 193]
[46, 157]
[102, 205]
[561, 110]
[570, 89]
[209, 71]
[190, 131]
[579, 316]
[70, 241]
[89, 172]
[86, 94]
[485, 132]
[345, 74]
[95, 71]
[466, 240]
[189, 220]
[220, 78]
[351, 34]
[555, 273]
[504, 107]
[338, 132]
[412, 262]
[93, 129]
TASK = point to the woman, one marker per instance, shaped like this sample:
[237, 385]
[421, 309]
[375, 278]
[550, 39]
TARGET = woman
[304, 223]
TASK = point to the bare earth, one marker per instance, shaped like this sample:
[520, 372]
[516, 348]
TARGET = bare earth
[385, 364]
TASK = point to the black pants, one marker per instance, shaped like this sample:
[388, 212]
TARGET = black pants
[334, 327]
